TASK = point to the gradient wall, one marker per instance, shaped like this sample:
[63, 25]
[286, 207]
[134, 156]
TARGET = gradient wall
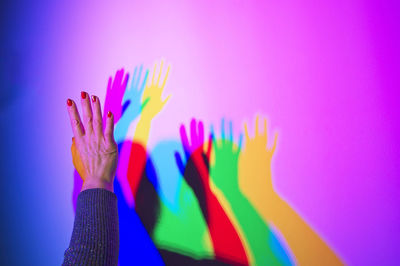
[325, 74]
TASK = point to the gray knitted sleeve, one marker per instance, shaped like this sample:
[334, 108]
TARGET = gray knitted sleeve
[95, 237]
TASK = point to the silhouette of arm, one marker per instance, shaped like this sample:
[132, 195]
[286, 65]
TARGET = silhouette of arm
[115, 90]
[154, 104]
[95, 237]
[256, 183]
[262, 244]
[226, 241]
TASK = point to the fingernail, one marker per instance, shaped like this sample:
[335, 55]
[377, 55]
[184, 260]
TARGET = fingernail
[69, 102]
[109, 114]
[83, 94]
[93, 98]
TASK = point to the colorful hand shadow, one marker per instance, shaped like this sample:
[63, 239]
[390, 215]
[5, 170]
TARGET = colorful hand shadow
[226, 241]
[263, 245]
[255, 181]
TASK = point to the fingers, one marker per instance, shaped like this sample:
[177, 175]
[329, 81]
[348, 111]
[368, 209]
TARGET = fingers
[246, 133]
[97, 119]
[231, 131]
[200, 133]
[275, 143]
[125, 83]
[138, 78]
[109, 84]
[185, 141]
[212, 134]
[117, 79]
[265, 127]
[209, 147]
[256, 128]
[146, 75]
[193, 134]
[179, 163]
[75, 119]
[109, 129]
[223, 129]
[154, 74]
[165, 78]
[159, 74]
[87, 113]
[240, 142]
[134, 79]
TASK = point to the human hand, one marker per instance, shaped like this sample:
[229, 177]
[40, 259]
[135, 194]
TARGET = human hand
[224, 165]
[94, 152]
[153, 92]
[255, 179]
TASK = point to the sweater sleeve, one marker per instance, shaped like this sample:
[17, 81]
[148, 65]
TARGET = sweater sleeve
[95, 237]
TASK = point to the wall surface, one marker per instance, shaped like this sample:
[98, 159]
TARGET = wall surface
[326, 75]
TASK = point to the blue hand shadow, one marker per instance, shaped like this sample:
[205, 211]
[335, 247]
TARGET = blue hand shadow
[136, 245]
[169, 177]
[132, 104]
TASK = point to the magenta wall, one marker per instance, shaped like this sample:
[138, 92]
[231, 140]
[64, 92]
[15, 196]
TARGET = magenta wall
[326, 74]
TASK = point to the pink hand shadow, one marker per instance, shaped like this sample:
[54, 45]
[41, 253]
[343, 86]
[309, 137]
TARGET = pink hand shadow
[115, 92]
[77, 188]
[122, 171]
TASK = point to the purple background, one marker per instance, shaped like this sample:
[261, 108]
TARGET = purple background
[325, 74]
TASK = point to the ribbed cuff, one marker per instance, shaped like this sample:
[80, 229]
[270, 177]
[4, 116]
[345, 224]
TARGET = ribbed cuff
[95, 237]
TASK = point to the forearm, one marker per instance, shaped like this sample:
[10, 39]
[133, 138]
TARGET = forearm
[307, 246]
[225, 238]
[263, 244]
[142, 131]
[95, 237]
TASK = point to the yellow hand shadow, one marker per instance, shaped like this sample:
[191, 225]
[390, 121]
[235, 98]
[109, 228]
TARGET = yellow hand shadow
[255, 182]
[152, 96]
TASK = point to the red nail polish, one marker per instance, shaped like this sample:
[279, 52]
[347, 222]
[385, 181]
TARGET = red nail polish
[93, 98]
[83, 94]
[109, 114]
[69, 102]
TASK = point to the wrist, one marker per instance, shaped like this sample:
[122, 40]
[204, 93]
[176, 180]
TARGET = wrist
[90, 184]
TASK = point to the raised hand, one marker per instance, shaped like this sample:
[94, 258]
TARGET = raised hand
[255, 181]
[115, 91]
[225, 166]
[263, 245]
[153, 92]
[132, 103]
[133, 95]
[94, 151]
[152, 97]
[195, 148]
[255, 164]
[226, 241]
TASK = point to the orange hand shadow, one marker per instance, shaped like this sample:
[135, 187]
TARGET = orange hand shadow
[255, 181]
